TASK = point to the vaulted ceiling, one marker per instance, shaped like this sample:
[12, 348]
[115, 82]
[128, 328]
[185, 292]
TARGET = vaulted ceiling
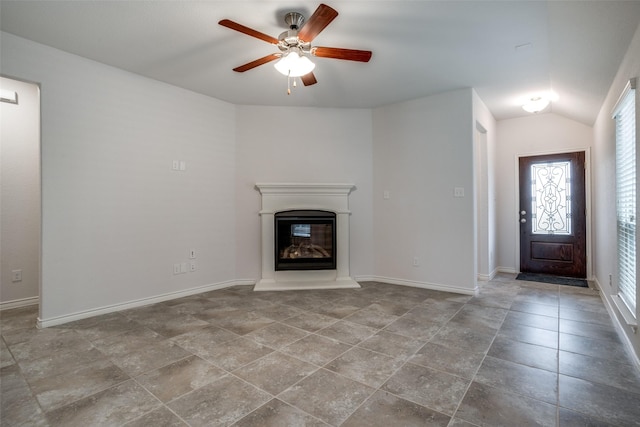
[506, 50]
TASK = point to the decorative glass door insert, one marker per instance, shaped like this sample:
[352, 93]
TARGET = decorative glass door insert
[551, 198]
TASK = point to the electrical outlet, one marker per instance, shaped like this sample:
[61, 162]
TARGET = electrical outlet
[610, 281]
[176, 268]
[192, 254]
[458, 192]
[192, 266]
[16, 275]
[416, 261]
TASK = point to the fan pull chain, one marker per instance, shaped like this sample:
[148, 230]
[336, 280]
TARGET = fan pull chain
[289, 83]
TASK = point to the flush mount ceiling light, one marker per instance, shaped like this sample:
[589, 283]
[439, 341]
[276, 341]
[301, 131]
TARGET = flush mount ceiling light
[536, 104]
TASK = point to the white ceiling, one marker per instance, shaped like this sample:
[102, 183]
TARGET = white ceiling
[419, 48]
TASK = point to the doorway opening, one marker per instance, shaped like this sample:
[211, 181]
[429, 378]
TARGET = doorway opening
[21, 193]
[484, 206]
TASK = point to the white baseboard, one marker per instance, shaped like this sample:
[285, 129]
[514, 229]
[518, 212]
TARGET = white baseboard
[510, 270]
[59, 320]
[416, 284]
[490, 276]
[17, 303]
[364, 278]
[616, 321]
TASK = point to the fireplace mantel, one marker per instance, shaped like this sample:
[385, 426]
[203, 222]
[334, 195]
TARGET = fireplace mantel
[278, 197]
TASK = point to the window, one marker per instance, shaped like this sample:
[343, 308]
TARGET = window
[625, 117]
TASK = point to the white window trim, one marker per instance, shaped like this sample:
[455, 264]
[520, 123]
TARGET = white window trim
[627, 313]
[631, 85]
[624, 310]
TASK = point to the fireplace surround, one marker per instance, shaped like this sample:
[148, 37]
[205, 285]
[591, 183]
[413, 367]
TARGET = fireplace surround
[293, 201]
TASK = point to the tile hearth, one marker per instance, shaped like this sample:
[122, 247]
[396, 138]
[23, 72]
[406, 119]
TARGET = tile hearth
[516, 353]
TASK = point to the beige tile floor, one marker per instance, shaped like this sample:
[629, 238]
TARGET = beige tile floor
[515, 354]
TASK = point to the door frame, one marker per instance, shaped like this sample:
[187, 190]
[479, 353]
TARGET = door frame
[587, 200]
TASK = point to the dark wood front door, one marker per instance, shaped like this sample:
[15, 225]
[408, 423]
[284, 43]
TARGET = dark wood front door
[553, 238]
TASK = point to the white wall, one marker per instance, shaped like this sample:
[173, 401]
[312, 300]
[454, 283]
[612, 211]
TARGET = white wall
[309, 145]
[484, 163]
[604, 203]
[535, 134]
[422, 150]
[115, 217]
[20, 199]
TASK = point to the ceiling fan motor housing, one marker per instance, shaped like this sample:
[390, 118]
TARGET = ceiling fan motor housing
[289, 39]
[294, 20]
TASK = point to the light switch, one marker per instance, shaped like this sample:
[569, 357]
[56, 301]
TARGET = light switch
[386, 195]
[16, 275]
[183, 165]
[175, 165]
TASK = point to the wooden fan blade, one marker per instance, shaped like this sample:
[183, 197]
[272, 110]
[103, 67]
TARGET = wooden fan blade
[308, 79]
[339, 53]
[257, 62]
[318, 21]
[248, 31]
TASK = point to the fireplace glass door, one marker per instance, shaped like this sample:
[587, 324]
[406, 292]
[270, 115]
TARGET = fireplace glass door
[305, 240]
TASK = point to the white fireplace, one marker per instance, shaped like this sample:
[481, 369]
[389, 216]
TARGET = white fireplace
[281, 197]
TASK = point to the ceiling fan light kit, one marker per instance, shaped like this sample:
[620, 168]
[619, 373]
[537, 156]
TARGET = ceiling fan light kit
[294, 64]
[295, 45]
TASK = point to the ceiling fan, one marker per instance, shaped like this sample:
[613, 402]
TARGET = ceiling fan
[295, 45]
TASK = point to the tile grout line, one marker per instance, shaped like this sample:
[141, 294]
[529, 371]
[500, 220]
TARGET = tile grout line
[273, 396]
[162, 405]
[558, 366]
[318, 367]
[352, 346]
[35, 396]
[408, 360]
[19, 368]
[479, 366]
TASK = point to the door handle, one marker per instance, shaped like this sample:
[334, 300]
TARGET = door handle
[523, 220]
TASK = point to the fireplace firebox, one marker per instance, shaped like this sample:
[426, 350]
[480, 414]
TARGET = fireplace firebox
[305, 240]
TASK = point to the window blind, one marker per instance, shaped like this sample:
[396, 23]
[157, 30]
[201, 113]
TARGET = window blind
[625, 117]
